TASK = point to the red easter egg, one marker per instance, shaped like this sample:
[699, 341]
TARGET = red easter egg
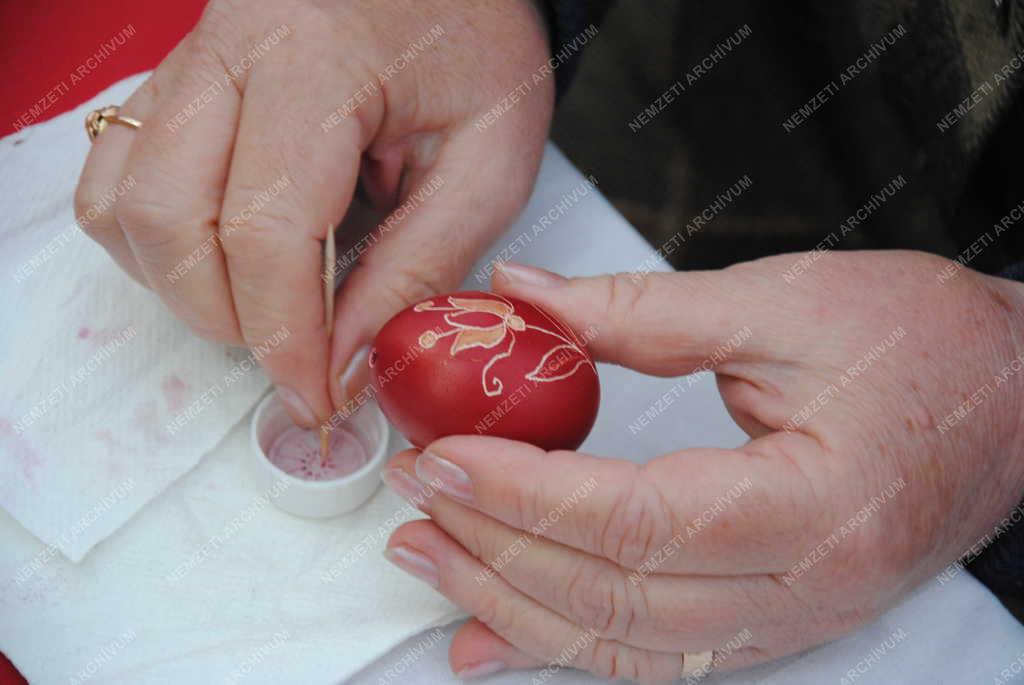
[478, 363]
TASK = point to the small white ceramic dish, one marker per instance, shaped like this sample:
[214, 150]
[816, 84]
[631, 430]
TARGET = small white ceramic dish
[318, 498]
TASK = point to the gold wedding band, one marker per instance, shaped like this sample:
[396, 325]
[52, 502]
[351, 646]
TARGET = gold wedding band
[97, 120]
[697, 663]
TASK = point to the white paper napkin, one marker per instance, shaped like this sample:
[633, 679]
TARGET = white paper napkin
[107, 399]
[212, 583]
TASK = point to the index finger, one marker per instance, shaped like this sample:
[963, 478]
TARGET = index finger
[288, 182]
[703, 511]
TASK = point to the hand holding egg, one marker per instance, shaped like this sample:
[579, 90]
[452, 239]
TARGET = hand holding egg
[604, 565]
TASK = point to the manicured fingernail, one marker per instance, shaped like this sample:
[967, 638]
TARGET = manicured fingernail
[410, 489]
[297, 405]
[480, 670]
[356, 366]
[414, 563]
[528, 275]
[452, 480]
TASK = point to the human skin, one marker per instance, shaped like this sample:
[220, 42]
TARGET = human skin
[736, 573]
[842, 500]
[327, 100]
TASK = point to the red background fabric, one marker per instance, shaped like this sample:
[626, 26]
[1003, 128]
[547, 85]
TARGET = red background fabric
[45, 43]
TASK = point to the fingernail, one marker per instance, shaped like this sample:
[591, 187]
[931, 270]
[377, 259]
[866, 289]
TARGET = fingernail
[410, 489]
[414, 563]
[356, 365]
[297, 405]
[452, 480]
[480, 670]
[528, 275]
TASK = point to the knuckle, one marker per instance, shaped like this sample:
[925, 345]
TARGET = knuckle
[89, 205]
[616, 661]
[152, 223]
[140, 209]
[601, 659]
[483, 546]
[407, 285]
[497, 615]
[256, 235]
[637, 519]
[625, 293]
[532, 505]
[599, 598]
[86, 196]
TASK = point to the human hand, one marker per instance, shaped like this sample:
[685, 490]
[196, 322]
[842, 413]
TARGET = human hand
[883, 403]
[255, 130]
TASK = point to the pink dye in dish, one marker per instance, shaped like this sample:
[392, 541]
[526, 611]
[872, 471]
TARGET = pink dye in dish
[296, 451]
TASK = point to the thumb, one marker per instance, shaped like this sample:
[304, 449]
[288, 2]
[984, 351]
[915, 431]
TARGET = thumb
[664, 324]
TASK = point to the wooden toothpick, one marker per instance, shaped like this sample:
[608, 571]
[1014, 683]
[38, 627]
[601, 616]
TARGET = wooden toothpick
[328, 276]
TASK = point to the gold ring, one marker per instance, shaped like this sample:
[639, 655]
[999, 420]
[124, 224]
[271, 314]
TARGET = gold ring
[697, 664]
[97, 120]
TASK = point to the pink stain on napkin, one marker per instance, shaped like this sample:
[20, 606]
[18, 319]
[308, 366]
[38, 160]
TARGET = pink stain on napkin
[102, 336]
[176, 393]
[107, 386]
[27, 457]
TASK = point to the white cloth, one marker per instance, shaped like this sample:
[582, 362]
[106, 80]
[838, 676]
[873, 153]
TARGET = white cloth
[106, 399]
[943, 634]
[209, 582]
